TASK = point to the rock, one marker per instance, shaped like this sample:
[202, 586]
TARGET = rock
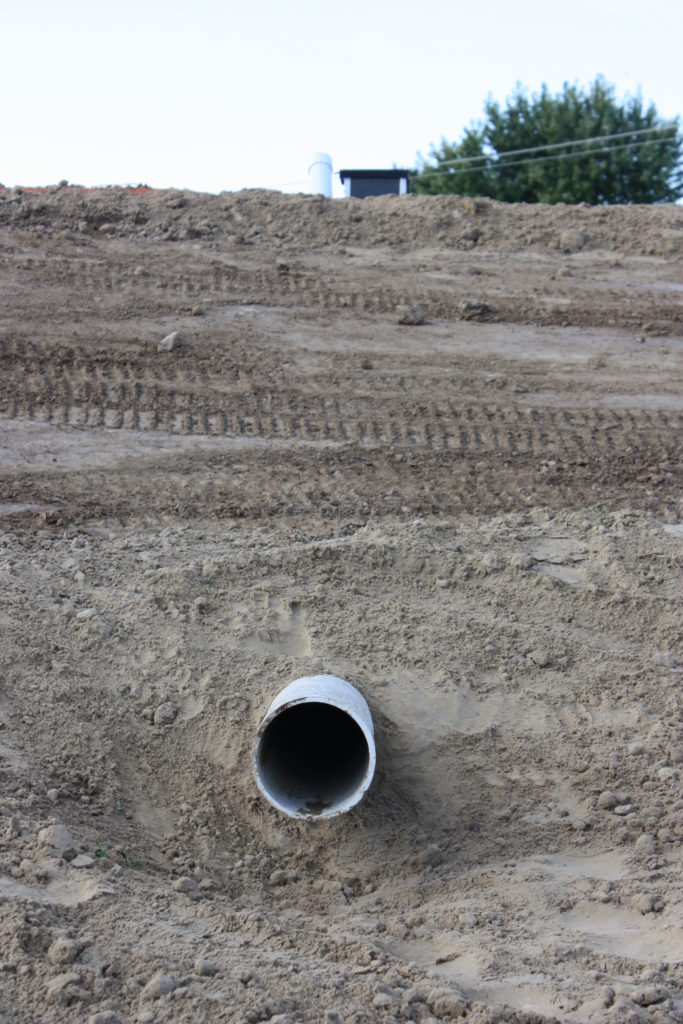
[104, 1017]
[431, 856]
[623, 809]
[333, 1017]
[83, 860]
[409, 317]
[107, 229]
[382, 1000]
[366, 364]
[170, 342]
[521, 561]
[166, 713]
[443, 1001]
[278, 877]
[649, 995]
[204, 968]
[645, 845]
[571, 241]
[186, 885]
[414, 995]
[643, 903]
[541, 658]
[62, 951]
[53, 795]
[146, 1017]
[85, 615]
[58, 840]
[492, 562]
[159, 985]
[57, 985]
[470, 308]
[666, 659]
[607, 801]
[197, 311]
[666, 773]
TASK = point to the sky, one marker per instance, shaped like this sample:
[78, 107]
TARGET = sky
[210, 96]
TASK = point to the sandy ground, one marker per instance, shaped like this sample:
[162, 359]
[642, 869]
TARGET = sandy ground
[474, 519]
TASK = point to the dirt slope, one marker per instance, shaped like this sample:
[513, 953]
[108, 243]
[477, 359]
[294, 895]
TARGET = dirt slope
[475, 520]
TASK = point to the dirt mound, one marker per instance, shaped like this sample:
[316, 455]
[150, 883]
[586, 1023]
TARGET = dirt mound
[314, 223]
[470, 512]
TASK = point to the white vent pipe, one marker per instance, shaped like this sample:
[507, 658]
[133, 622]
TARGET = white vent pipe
[320, 174]
[314, 753]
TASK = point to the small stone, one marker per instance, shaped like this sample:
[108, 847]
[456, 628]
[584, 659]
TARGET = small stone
[85, 615]
[665, 658]
[572, 241]
[382, 1000]
[83, 860]
[366, 364]
[53, 795]
[431, 856]
[62, 951]
[643, 903]
[170, 342]
[637, 747]
[409, 317]
[159, 985]
[541, 658]
[278, 877]
[107, 229]
[146, 1017]
[197, 311]
[13, 827]
[333, 1017]
[207, 884]
[649, 995]
[58, 840]
[104, 1017]
[166, 713]
[470, 308]
[204, 968]
[521, 561]
[645, 845]
[607, 801]
[414, 995]
[185, 884]
[666, 773]
[623, 809]
[443, 1001]
[56, 985]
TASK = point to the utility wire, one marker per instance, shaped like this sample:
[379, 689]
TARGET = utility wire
[560, 145]
[499, 165]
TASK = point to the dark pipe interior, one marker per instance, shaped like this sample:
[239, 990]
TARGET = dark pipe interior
[313, 756]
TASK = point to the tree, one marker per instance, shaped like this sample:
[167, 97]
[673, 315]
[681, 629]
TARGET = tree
[576, 146]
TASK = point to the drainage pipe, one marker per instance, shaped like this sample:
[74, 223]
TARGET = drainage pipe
[314, 753]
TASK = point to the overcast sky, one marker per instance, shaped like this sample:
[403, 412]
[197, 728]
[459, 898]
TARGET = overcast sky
[211, 96]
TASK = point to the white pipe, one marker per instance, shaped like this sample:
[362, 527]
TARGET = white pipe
[314, 753]
[320, 174]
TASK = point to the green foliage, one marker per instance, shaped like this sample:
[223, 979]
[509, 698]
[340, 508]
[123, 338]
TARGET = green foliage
[636, 168]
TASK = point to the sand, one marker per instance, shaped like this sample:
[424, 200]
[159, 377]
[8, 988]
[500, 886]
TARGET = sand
[475, 519]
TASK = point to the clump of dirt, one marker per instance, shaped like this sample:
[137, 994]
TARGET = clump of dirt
[473, 518]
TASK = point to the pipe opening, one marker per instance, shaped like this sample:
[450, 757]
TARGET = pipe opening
[313, 758]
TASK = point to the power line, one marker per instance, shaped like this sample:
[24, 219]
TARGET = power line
[560, 145]
[501, 164]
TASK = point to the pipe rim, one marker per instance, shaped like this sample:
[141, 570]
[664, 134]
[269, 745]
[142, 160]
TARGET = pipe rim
[342, 806]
